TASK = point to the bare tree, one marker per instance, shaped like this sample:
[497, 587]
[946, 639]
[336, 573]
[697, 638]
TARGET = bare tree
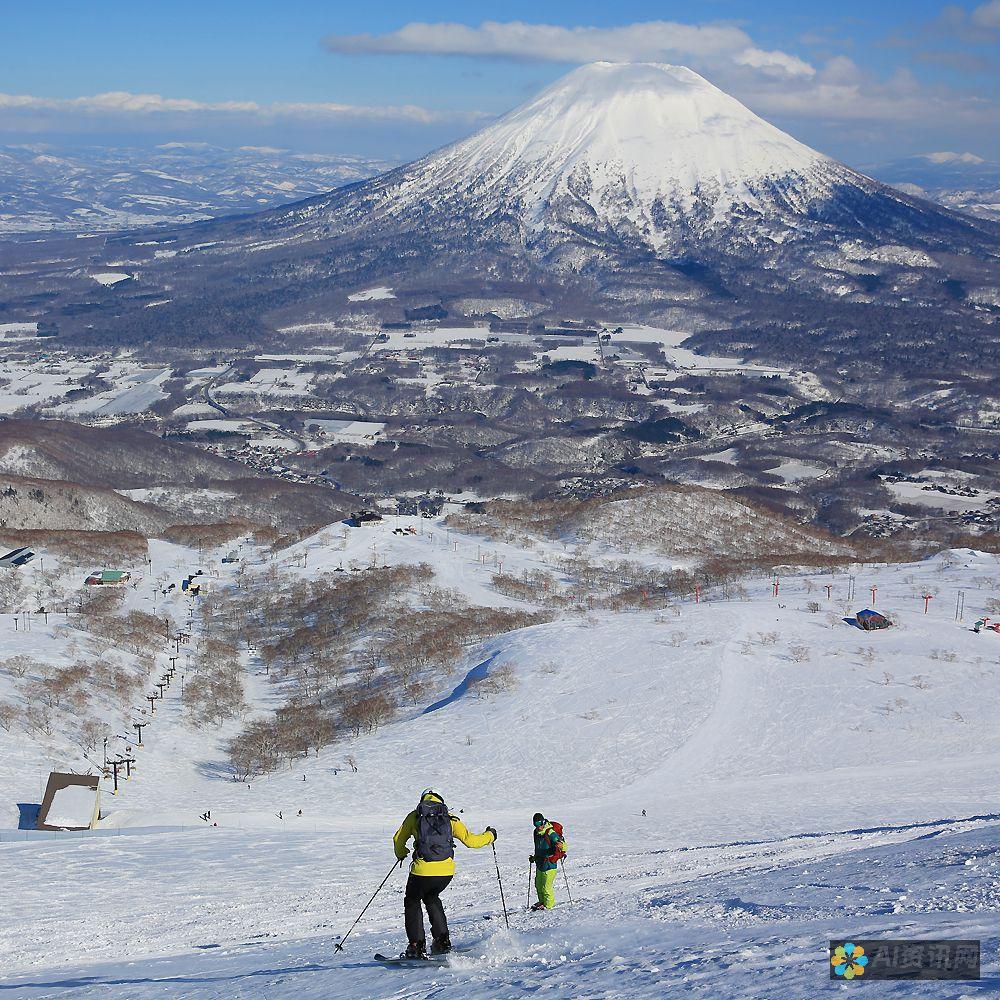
[256, 750]
[90, 732]
[20, 664]
[497, 681]
[39, 719]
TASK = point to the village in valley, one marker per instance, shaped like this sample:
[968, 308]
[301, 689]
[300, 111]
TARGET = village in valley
[343, 408]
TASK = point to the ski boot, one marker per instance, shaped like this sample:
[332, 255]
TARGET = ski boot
[441, 945]
[539, 906]
[416, 949]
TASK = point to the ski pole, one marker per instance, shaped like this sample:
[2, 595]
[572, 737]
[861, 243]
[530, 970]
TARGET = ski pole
[503, 902]
[340, 943]
[562, 862]
[531, 861]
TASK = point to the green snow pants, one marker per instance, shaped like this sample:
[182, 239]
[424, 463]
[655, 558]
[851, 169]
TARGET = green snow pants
[545, 886]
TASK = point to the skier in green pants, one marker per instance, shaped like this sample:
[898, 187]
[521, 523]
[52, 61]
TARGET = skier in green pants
[550, 848]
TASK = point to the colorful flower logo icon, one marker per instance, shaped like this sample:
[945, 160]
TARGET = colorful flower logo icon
[849, 960]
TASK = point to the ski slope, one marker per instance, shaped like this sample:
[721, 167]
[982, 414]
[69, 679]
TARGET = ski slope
[789, 797]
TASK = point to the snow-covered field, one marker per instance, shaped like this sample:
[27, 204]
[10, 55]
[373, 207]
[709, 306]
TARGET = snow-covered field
[741, 779]
[27, 384]
[423, 338]
[110, 277]
[669, 341]
[929, 491]
[271, 382]
[136, 390]
[18, 331]
[372, 294]
[793, 471]
[358, 432]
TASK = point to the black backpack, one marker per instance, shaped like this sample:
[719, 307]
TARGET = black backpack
[434, 840]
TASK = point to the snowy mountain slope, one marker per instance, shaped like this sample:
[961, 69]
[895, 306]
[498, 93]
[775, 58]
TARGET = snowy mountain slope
[672, 675]
[768, 824]
[99, 456]
[680, 521]
[45, 504]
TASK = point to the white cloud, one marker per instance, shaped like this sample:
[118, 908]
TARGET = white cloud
[124, 104]
[987, 16]
[650, 41]
[839, 90]
[774, 63]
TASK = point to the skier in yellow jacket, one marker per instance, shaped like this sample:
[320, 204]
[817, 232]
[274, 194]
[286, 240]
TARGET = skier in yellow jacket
[434, 832]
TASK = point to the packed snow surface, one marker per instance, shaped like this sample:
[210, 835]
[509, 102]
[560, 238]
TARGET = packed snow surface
[740, 778]
[110, 277]
[372, 294]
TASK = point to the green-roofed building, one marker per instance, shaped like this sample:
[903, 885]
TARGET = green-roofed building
[105, 577]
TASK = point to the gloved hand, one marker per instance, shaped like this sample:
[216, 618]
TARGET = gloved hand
[405, 854]
[531, 858]
[492, 830]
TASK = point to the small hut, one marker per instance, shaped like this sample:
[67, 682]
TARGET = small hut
[16, 557]
[71, 802]
[108, 578]
[870, 620]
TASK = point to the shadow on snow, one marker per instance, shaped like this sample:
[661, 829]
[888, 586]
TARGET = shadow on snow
[477, 673]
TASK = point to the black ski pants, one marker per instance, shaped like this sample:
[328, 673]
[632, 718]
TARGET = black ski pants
[425, 890]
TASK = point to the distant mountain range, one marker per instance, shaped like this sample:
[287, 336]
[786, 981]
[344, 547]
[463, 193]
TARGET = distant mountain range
[622, 191]
[962, 181]
[99, 189]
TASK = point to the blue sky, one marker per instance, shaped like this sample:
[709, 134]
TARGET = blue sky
[863, 81]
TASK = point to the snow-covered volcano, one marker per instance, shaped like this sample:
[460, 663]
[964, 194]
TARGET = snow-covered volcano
[638, 145]
[613, 160]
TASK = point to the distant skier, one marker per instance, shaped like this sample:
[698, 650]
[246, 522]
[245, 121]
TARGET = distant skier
[550, 849]
[434, 831]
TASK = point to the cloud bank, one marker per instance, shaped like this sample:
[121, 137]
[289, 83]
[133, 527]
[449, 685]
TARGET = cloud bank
[644, 42]
[123, 104]
[770, 81]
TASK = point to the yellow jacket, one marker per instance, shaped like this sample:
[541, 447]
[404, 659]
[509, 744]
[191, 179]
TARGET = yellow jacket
[408, 830]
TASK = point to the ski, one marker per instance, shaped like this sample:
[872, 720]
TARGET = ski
[403, 960]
